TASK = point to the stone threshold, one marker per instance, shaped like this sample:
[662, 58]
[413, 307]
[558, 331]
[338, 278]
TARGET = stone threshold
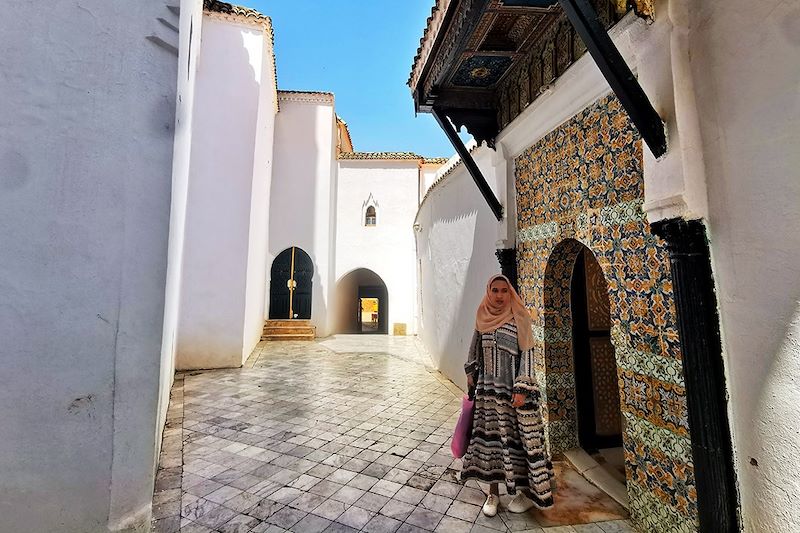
[598, 476]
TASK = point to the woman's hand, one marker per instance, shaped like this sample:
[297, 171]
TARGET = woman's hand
[470, 381]
[517, 400]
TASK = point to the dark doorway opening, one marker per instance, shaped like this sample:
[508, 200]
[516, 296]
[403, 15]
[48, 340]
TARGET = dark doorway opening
[290, 290]
[362, 303]
[596, 382]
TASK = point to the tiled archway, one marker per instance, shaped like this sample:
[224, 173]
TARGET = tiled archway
[583, 183]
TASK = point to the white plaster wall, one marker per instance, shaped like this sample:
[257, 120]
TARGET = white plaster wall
[227, 174]
[259, 204]
[747, 80]
[428, 176]
[456, 250]
[303, 194]
[190, 27]
[86, 146]
[388, 248]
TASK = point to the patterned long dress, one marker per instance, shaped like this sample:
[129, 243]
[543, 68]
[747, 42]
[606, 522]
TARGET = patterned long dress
[507, 444]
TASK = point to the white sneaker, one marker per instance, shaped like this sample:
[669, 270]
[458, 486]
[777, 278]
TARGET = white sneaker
[490, 507]
[520, 504]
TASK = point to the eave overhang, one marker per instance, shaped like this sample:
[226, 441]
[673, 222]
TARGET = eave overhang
[481, 62]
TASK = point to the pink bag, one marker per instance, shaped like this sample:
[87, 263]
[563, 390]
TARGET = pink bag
[463, 430]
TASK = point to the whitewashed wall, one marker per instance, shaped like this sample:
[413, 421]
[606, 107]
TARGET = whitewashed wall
[747, 80]
[456, 252]
[303, 194]
[86, 146]
[221, 306]
[387, 248]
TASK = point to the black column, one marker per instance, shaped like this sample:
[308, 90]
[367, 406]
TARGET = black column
[508, 264]
[698, 326]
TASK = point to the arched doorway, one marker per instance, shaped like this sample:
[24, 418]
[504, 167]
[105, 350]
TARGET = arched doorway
[596, 383]
[579, 351]
[362, 303]
[291, 285]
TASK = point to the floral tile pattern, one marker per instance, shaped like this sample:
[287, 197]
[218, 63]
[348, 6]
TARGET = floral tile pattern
[580, 187]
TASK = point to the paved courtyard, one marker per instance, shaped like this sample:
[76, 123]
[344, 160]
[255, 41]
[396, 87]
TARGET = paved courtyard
[344, 434]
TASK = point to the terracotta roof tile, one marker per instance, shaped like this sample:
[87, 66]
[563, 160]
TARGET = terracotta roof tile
[232, 9]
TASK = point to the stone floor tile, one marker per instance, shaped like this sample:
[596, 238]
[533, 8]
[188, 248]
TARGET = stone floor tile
[286, 517]
[341, 476]
[397, 509]
[330, 509]
[449, 524]
[386, 488]
[347, 495]
[437, 503]
[243, 502]
[473, 496]
[444, 488]
[382, 524]
[223, 494]
[285, 495]
[265, 508]
[336, 527]
[411, 528]
[376, 470]
[410, 495]
[421, 483]
[356, 517]
[464, 511]
[588, 528]
[216, 517]
[559, 529]
[617, 526]
[371, 501]
[239, 524]
[363, 482]
[424, 518]
[312, 524]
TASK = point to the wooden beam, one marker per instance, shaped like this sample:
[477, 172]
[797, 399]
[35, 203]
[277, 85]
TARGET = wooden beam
[619, 76]
[466, 158]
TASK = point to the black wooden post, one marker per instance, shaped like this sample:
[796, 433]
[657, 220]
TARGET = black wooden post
[619, 76]
[704, 374]
[508, 264]
[466, 158]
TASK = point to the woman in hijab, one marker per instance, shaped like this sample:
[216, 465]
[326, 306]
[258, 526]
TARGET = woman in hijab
[507, 443]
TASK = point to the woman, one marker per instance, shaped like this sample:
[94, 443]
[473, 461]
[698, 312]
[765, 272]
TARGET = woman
[507, 443]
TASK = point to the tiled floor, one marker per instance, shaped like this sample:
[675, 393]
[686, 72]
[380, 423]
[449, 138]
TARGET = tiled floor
[345, 434]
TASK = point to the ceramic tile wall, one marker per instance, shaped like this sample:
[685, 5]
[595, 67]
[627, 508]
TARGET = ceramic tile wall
[582, 186]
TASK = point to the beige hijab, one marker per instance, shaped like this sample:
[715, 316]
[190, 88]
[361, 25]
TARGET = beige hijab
[490, 317]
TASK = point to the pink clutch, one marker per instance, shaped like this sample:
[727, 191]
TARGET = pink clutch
[463, 430]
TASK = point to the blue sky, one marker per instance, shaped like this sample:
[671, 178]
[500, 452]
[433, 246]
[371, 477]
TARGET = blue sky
[361, 50]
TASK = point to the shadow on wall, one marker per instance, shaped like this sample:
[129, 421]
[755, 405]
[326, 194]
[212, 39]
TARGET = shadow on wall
[293, 196]
[458, 256]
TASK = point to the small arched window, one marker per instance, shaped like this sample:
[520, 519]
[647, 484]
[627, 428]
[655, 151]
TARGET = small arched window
[371, 217]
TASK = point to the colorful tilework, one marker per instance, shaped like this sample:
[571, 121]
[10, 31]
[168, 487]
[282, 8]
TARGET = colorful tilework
[581, 187]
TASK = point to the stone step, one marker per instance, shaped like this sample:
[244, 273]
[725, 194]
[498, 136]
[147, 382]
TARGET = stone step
[288, 337]
[288, 330]
[287, 322]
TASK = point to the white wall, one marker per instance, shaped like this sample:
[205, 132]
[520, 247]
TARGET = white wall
[303, 191]
[456, 249]
[259, 204]
[190, 26]
[747, 81]
[228, 191]
[387, 248]
[86, 145]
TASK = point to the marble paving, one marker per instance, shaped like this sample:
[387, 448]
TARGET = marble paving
[348, 433]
